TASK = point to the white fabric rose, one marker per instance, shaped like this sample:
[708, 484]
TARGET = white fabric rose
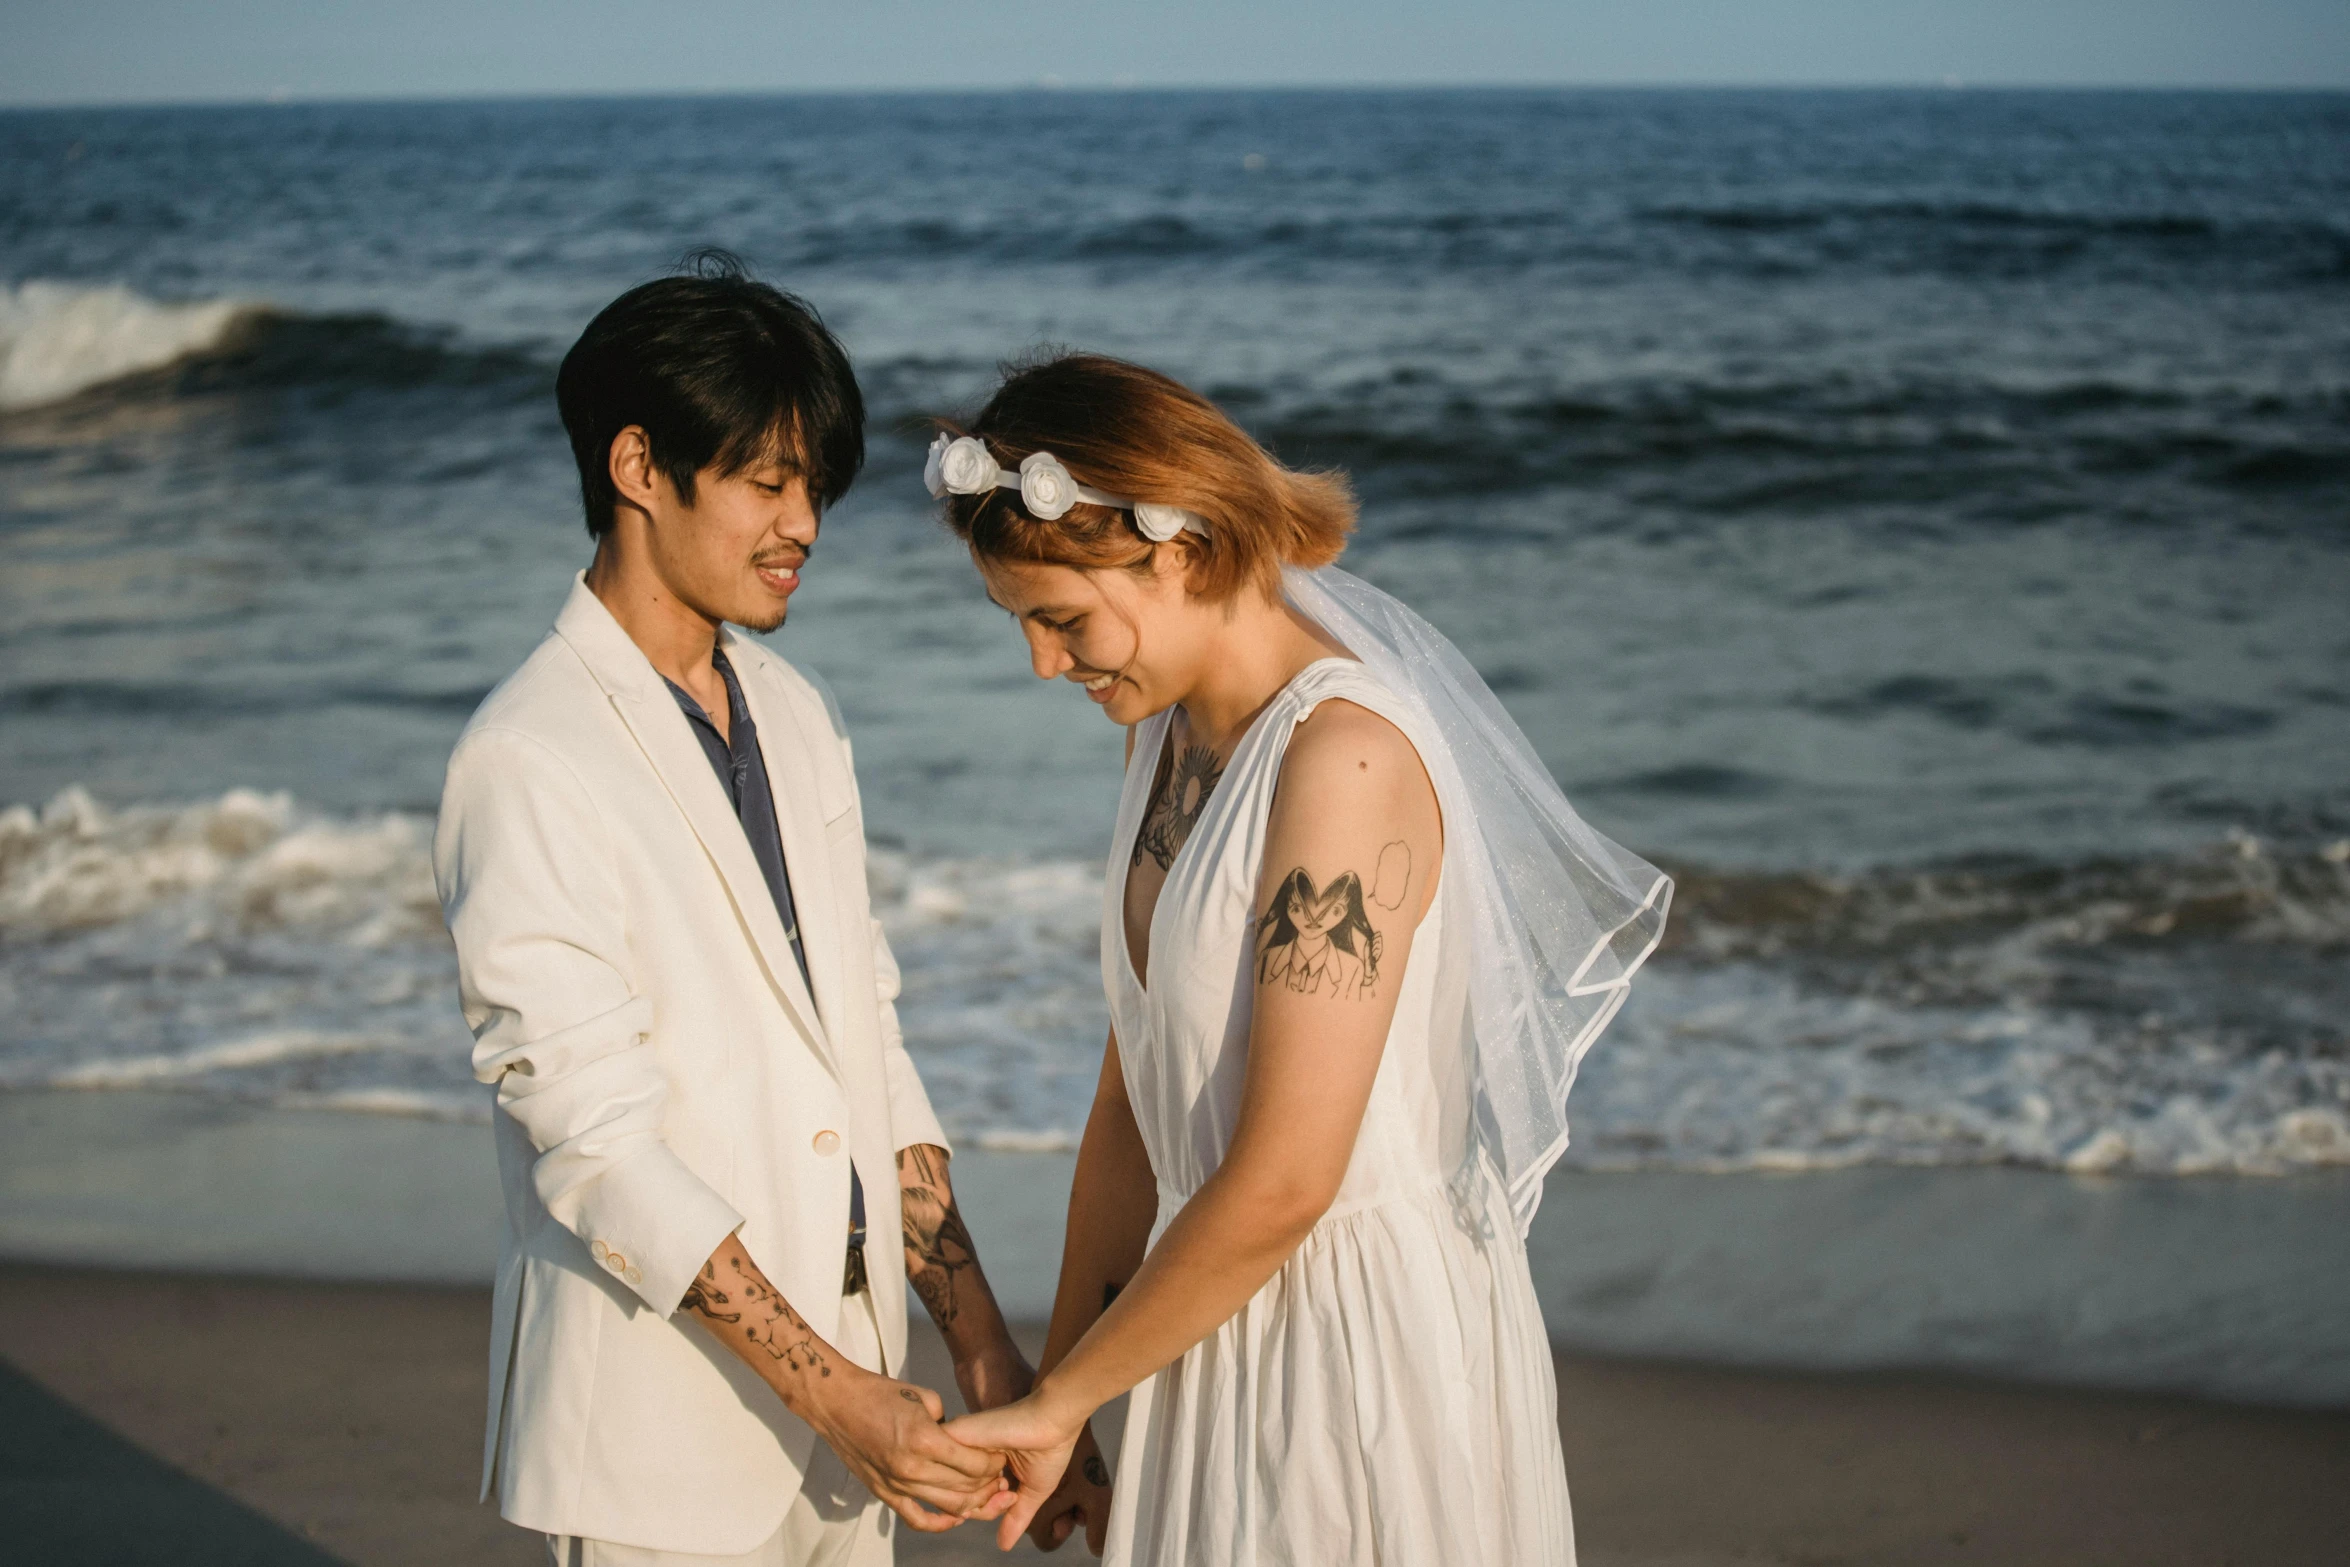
[962, 465]
[1045, 487]
[1158, 522]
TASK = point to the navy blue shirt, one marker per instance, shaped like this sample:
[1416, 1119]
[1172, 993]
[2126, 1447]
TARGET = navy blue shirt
[742, 771]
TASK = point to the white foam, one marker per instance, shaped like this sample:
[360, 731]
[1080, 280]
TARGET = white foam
[247, 948]
[153, 1071]
[57, 339]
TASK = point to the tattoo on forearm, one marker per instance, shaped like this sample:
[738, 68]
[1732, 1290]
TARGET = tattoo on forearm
[704, 1296]
[938, 1248]
[1178, 799]
[1318, 940]
[1095, 1470]
[765, 1319]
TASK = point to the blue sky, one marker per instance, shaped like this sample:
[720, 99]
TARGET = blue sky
[85, 51]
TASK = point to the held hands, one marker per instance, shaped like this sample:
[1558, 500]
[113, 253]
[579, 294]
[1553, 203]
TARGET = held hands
[1038, 1443]
[1082, 1497]
[999, 1375]
[887, 1433]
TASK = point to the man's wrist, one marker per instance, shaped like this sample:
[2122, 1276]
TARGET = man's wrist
[813, 1391]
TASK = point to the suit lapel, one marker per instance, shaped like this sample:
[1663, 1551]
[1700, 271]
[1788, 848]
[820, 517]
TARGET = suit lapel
[784, 744]
[643, 700]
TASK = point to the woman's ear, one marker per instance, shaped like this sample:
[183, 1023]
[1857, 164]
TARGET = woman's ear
[1181, 558]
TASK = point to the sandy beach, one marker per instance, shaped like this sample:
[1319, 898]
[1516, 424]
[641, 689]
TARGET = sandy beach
[190, 1420]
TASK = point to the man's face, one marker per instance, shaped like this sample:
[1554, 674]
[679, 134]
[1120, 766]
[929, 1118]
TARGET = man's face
[736, 552]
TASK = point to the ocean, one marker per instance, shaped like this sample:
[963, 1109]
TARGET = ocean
[1921, 520]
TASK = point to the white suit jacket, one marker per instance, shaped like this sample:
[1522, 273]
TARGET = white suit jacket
[664, 1078]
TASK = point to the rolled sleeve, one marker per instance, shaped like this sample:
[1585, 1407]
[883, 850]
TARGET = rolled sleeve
[528, 886]
[911, 1119]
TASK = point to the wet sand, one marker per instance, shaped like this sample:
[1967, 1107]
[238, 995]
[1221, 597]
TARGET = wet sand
[166, 1418]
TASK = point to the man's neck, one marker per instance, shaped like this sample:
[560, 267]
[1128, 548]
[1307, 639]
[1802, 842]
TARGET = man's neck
[675, 638]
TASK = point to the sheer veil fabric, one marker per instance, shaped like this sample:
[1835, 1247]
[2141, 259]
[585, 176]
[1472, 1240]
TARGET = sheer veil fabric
[1558, 918]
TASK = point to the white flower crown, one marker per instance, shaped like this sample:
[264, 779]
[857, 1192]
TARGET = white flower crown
[962, 465]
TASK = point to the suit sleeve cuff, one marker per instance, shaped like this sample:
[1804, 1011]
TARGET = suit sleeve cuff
[651, 1223]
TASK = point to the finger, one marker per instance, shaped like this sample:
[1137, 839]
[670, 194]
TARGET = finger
[1023, 1514]
[957, 1502]
[920, 1517]
[934, 1446]
[1048, 1519]
[1097, 1528]
[1015, 1522]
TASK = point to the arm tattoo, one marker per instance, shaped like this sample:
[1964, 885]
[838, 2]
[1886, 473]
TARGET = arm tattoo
[703, 1295]
[1178, 800]
[1318, 941]
[1095, 1470]
[938, 1247]
[766, 1318]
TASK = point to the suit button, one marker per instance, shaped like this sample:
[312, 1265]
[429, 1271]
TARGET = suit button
[633, 1276]
[616, 1262]
[827, 1143]
[599, 1250]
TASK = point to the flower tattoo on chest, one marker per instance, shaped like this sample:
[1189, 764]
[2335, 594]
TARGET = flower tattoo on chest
[1318, 941]
[1177, 804]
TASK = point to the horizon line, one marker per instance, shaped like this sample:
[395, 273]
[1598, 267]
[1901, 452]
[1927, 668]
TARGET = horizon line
[287, 98]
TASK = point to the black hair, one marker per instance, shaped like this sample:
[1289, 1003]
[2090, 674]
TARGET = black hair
[722, 371]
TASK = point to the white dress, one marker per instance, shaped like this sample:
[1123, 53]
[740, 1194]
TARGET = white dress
[1388, 1396]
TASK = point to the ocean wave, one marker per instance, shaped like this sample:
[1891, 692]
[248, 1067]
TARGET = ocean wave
[63, 341]
[59, 339]
[1840, 440]
[1192, 226]
[2240, 890]
[1974, 237]
[2167, 1016]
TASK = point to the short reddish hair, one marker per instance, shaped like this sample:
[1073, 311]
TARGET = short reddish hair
[1134, 433]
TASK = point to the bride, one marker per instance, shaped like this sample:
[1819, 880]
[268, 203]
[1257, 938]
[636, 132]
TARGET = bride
[1354, 942]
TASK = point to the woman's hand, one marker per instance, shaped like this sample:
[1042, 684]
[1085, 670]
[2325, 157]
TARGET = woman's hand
[1037, 1442]
[1082, 1497]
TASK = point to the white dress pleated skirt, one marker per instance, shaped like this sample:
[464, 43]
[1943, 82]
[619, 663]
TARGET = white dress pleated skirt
[1388, 1396]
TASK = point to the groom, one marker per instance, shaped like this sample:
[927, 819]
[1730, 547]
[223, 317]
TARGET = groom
[652, 857]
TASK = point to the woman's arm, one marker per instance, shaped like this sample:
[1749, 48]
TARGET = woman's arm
[1357, 816]
[1112, 1206]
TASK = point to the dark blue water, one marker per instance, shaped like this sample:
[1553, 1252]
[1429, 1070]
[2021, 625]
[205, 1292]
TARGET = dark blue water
[1921, 518]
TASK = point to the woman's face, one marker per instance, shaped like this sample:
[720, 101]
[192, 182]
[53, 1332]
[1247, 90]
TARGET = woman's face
[1131, 641]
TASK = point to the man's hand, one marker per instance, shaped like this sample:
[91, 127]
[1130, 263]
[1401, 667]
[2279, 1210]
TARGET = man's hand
[1082, 1497]
[887, 1432]
[888, 1435]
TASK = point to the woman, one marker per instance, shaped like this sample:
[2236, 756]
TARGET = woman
[1354, 942]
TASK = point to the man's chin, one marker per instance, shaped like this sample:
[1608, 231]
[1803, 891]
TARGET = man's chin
[761, 611]
[765, 621]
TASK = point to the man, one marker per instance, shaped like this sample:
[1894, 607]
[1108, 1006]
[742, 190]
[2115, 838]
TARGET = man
[651, 855]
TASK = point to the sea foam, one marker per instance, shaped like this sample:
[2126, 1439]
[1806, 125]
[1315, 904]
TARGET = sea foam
[57, 339]
[251, 948]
